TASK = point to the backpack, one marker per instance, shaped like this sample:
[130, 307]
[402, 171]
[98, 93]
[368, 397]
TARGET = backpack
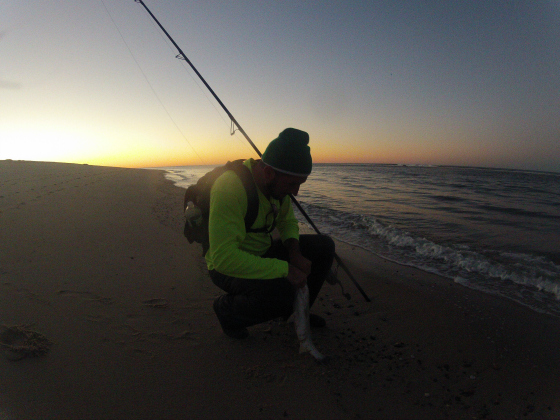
[196, 225]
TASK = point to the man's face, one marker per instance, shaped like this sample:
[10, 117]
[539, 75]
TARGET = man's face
[284, 184]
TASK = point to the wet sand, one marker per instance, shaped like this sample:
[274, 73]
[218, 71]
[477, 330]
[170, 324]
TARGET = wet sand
[94, 259]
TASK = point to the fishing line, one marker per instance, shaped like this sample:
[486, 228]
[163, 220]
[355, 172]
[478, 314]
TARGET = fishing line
[196, 81]
[149, 84]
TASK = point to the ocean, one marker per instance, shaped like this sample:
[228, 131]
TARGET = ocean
[494, 230]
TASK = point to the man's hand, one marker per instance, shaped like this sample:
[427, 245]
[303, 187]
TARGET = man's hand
[301, 262]
[297, 277]
[295, 257]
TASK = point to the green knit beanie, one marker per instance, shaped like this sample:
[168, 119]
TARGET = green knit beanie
[289, 153]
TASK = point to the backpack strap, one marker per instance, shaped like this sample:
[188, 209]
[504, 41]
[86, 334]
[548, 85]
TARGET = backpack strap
[246, 178]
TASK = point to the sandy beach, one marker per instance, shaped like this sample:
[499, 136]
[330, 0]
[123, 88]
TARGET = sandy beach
[94, 259]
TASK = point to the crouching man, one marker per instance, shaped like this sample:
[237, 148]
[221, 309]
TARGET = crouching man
[259, 275]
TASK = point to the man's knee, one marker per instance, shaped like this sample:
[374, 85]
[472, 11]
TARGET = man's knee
[317, 246]
[327, 244]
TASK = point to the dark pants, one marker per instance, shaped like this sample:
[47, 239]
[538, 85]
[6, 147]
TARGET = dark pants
[253, 301]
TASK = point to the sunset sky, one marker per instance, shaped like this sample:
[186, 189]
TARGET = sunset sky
[472, 83]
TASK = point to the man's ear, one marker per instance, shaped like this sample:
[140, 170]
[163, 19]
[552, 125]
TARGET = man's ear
[269, 173]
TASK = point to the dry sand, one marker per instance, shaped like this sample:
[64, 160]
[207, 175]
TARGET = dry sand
[94, 259]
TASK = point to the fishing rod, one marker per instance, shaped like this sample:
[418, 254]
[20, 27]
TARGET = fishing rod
[183, 56]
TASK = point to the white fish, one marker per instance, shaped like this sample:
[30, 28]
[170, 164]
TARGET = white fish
[301, 322]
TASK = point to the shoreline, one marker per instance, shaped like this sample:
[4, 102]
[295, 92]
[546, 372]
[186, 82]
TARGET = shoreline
[451, 280]
[94, 258]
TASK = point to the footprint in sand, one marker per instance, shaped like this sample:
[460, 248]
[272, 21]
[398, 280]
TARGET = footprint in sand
[156, 303]
[87, 296]
[21, 341]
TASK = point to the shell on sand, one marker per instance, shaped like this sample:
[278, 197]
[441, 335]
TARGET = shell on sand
[21, 341]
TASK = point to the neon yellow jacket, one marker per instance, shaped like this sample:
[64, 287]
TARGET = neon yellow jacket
[234, 252]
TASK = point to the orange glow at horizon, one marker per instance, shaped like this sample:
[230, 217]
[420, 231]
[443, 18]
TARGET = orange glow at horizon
[149, 150]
